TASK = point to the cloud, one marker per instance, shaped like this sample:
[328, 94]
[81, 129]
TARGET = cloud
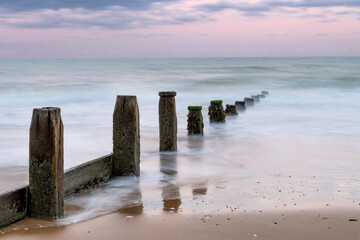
[322, 35]
[327, 21]
[131, 14]
[114, 17]
[31, 5]
[244, 7]
[269, 6]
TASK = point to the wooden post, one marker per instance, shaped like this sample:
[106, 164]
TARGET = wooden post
[167, 121]
[46, 170]
[230, 110]
[126, 137]
[195, 120]
[216, 111]
[256, 98]
[240, 105]
[249, 102]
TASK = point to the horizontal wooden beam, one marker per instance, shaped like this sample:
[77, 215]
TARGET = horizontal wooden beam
[87, 175]
[13, 204]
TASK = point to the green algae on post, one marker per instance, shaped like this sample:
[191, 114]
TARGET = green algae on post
[126, 137]
[194, 108]
[216, 111]
[216, 102]
[167, 121]
[195, 120]
[46, 164]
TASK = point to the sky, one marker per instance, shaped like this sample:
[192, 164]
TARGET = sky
[178, 28]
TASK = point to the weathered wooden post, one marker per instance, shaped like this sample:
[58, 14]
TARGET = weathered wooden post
[256, 98]
[230, 110]
[126, 137]
[46, 164]
[167, 121]
[195, 123]
[240, 105]
[216, 111]
[249, 102]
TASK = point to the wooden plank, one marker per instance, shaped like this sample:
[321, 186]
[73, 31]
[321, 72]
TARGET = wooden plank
[13, 206]
[87, 175]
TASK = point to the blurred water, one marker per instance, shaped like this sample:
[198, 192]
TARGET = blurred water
[307, 126]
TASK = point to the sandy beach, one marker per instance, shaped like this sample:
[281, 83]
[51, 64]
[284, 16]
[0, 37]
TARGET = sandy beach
[276, 207]
[312, 224]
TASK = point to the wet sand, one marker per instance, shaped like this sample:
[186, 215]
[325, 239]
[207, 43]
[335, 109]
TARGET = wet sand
[327, 223]
[277, 207]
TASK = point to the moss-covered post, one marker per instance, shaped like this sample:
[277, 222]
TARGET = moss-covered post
[46, 164]
[240, 105]
[126, 137]
[167, 121]
[195, 123]
[230, 110]
[249, 102]
[216, 111]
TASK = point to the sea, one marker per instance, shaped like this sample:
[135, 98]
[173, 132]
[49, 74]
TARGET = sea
[303, 137]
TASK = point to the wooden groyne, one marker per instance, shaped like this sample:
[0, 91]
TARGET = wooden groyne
[49, 184]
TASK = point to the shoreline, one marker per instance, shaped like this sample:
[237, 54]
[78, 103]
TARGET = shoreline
[326, 223]
[271, 207]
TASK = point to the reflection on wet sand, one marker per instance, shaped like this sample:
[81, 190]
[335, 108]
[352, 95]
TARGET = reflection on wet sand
[133, 202]
[199, 189]
[196, 143]
[170, 190]
[171, 198]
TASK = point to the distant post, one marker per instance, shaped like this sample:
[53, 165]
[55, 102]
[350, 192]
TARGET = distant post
[240, 105]
[230, 110]
[256, 98]
[195, 120]
[167, 121]
[46, 164]
[126, 137]
[249, 102]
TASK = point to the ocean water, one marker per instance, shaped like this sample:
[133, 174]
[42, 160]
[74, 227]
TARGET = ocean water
[308, 127]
